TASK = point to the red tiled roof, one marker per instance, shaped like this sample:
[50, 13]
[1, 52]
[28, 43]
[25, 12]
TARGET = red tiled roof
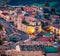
[31, 13]
[29, 8]
[21, 16]
[5, 13]
[44, 38]
[30, 18]
[55, 16]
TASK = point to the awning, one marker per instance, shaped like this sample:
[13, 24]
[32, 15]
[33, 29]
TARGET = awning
[48, 34]
[50, 49]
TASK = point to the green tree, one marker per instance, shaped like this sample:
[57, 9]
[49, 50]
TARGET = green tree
[1, 27]
[46, 4]
[25, 22]
[4, 2]
[1, 42]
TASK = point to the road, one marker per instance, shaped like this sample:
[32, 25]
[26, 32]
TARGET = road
[11, 31]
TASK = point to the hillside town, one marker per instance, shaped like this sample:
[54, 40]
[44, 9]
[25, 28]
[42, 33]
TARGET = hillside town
[29, 31]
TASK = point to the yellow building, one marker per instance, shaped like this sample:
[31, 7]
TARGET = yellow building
[58, 32]
[10, 12]
[30, 30]
[40, 29]
[51, 28]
